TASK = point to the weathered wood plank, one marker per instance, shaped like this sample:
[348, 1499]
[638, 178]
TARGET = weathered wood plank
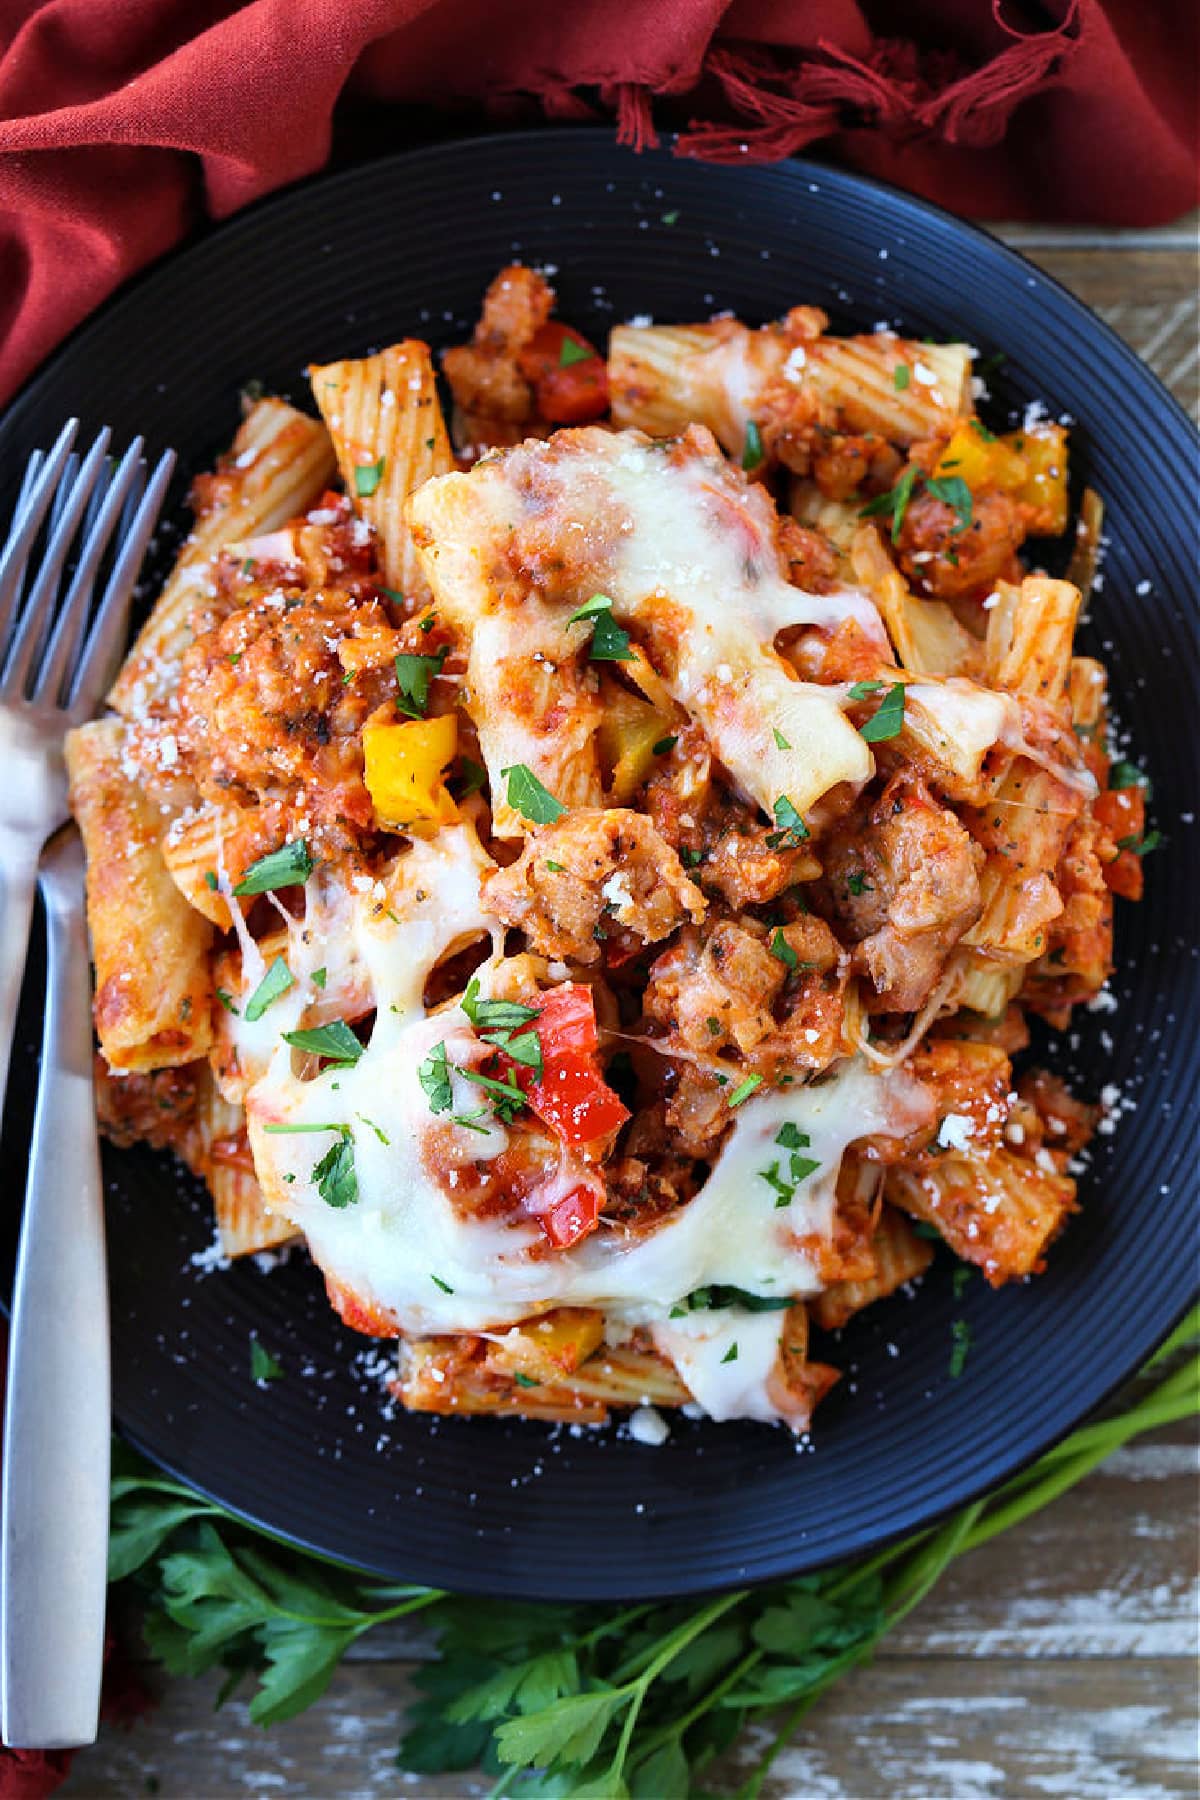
[945, 1730]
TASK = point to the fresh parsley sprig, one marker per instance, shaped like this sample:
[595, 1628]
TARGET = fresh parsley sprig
[607, 1700]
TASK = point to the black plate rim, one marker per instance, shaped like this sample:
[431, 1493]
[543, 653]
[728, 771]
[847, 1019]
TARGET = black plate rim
[294, 197]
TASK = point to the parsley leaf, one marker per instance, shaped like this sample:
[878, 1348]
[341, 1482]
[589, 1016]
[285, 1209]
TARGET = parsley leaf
[495, 1015]
[263, 1366]
[752, 452]
[289, 867]
[781, 742]
[413, 675]
[439, 1283]
[277, 980]
[335, 1176]
[901, 375]
[857, 882]
[862, 690]
[792, 829]
[527, 796]
[953, 490]
[210, 875]
[731, 1354]
[319, 978]
[336, 1042]
[572, 353]
[609, 643]
[716, 1297]
[960, 1336]
[744, 1089]
[894, 504]
[367, 477]
[434, 1077]
[1141, 846]
[1127, 775]
[887, 722]
[226, 999]
[663, 745]
[782, 950]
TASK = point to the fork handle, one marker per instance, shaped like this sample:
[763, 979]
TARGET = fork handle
[18, 874]
[56, 1427]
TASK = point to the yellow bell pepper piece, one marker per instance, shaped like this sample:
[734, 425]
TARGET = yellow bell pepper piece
[1043, 450]
[405, 763]
[983, 462]
[629, 731]
[546, 1349]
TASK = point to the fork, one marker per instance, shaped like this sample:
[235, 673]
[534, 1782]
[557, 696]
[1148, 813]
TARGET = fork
[56, 659]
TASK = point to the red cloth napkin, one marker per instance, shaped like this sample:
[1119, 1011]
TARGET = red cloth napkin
[123, 125]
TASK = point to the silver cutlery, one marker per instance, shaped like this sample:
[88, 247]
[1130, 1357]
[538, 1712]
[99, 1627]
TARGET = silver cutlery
[58, 650]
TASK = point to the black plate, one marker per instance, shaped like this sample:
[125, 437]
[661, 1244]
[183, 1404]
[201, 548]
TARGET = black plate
[406, 246]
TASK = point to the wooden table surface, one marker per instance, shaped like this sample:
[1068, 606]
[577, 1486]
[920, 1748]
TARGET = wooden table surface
[1057, 1663]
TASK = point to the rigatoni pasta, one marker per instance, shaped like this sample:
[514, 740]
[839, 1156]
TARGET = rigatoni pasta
[587, 877]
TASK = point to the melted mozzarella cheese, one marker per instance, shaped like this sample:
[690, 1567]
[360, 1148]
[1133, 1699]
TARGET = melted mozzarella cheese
[682, 548]
[726, 1359]
[959, 722]
[406, 1250]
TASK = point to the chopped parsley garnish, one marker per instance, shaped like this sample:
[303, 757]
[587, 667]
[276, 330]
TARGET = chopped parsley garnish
[319, 978]
[790, 1137]
[1141, 846]
[470, 1121]
[336, 1042]
[493, 1015]
[888, 720]
[383, 1137]
[781, 742]
[663, 745]
[263, 1366]
[413, 675]
[439, 1283]
[226, 999]
[1123, 775]
[953, 490]
[731, 1354]
[289, 867]
[717, 1297]
[894, 504]
[901, 376]
[752, 451]
[276, 982]
[691, 858]
[609, 643]
[924, 1229]
[525, 1381]
[862, 690]
[556, 868]
[960, 1335]
[210, 875]
[857, 883]
[337, 1182]
[398, 597]
[782, 950]
[368, 476]
[981, 431]
[299, 1130]
[527, 796]
[959, 1280]
[572, 353]
[434, 1077]
[473, 775]
[744, 1089]
[507, 1094]
[792, 829]
[669, 218]
[714, 1025]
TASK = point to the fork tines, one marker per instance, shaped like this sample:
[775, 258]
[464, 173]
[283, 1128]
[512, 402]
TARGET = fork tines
[79, 519]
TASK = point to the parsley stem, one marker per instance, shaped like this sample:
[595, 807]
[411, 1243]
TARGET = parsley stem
[668, 1648]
